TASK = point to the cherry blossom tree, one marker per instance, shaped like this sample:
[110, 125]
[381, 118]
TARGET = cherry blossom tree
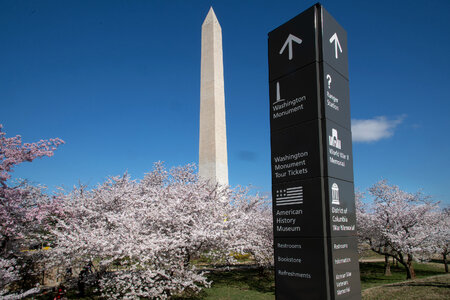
[441, 236]
[8, 274]
[361, 219]
[253, 230]
[398, 224]
[24, 209]
[138, 237]
[143, 235]
[366, 229]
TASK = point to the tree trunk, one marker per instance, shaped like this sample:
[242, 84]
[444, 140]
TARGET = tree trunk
[444, 256]
[400, 259]
[410, 274]
[394, 262]
[387, 266]
[4, 247]
[187, 260]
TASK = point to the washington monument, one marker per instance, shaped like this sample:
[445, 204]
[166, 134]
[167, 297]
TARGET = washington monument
[213, 162]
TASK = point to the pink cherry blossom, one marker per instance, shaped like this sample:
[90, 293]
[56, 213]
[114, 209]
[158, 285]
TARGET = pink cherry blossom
[143, 235]
[398, 224]
[25, 210]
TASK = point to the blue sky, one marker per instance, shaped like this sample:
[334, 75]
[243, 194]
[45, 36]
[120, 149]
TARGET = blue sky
[119, 82]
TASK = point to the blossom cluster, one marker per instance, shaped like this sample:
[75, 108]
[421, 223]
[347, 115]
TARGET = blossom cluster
[133, 239]
[143, 235]
[402, 225]
[25, 211]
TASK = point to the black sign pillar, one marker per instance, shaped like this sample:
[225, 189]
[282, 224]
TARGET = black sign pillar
[312, 164]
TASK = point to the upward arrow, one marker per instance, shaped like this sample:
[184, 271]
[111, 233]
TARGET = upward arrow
[337, 45]
[291, 38]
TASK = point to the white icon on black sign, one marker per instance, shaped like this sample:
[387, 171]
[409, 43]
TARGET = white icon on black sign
[278, 94]
[335, 194]
[289, 196]
[291, 38]
[337, 45]
[329, 80]
[334, 140]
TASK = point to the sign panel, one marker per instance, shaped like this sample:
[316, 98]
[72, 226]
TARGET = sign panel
[296, 153]
[335, 96]
[297, 208]
[341, 208]
[293, 45]
[312, 268]
[345, 279]
[300, 269]
[294, 98]
[334, 44]
[339, 158]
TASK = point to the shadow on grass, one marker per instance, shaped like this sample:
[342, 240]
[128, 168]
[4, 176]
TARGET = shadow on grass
[424, 284]
[188, 296]
[245, 279]
[51, 295]
[373, 273]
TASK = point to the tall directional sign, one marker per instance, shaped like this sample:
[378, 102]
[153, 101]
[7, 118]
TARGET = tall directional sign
[312, 162]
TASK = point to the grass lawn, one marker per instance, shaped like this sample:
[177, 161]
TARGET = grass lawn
[238, 284]
[248, 284]
[430, 288]
[431, 283]
[372, 273]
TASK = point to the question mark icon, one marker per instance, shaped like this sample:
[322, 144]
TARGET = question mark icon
[329, 80]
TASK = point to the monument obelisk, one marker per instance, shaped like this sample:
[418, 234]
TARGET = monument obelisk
[213, 162]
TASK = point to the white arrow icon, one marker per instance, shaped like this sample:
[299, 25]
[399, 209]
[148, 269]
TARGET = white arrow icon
[337, 45]
[291, 38]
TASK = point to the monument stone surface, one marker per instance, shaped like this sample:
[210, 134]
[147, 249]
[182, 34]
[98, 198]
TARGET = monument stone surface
[213, 162]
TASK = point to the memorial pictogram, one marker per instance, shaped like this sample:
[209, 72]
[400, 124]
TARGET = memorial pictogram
[335, 194]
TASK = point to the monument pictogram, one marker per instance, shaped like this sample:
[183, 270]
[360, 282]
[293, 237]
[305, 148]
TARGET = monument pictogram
[279, 99]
